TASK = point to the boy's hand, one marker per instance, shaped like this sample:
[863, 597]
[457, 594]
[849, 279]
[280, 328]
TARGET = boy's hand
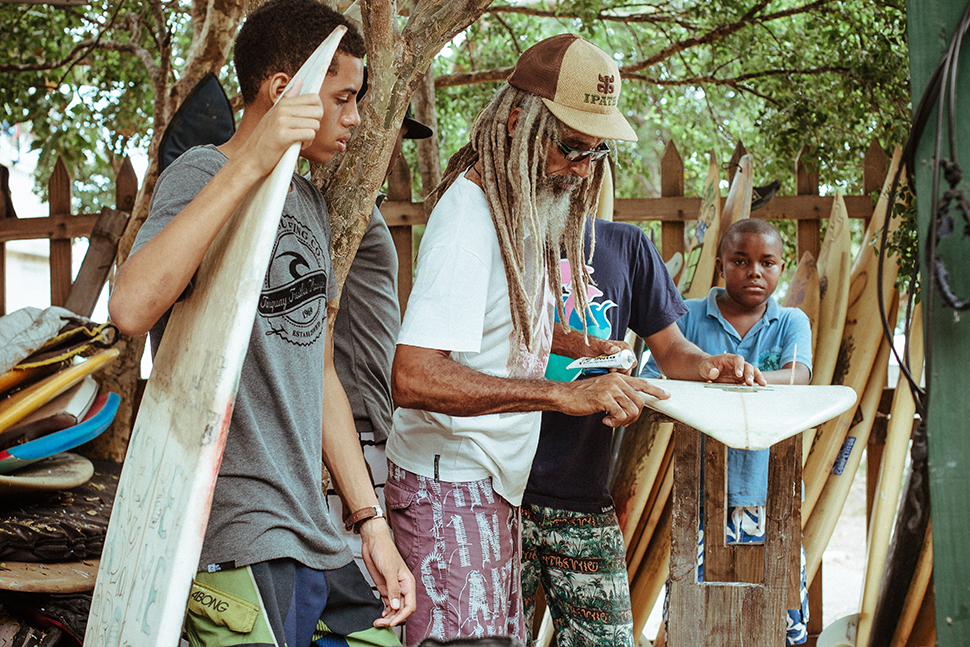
[391, 575]
[294, 119]
[731, 369]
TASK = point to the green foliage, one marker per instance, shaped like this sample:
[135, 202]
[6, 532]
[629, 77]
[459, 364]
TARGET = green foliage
[834, 79]
[98, 107]
[901, 245]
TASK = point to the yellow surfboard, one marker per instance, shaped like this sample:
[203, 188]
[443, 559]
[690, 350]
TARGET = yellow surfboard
[604, 203]
[919, 588]
[19, 405]
[804, 293]
[819, 526]
[890, 480]
[641, 451]
[860, 342]
[701, 248]
[834, 261]
[21, 377]
[737, 204]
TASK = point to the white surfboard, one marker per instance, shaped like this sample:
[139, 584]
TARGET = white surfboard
[158, 522]
[750, 417]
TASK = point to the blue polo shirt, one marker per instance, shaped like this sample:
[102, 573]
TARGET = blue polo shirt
[769, 345]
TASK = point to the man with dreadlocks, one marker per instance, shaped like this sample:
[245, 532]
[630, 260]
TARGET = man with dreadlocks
[478, 331]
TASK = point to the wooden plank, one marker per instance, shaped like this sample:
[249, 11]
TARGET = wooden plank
[399, 190]
[126, 186]
[97, 263]
[403, 243]
[806, 183]
[79, 226]
[782, 207]
[723, 562]
[59, 190]
[685, 619]
[671, 185]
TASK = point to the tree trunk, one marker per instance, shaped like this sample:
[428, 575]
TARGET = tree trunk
[429, 156]
[397, 60]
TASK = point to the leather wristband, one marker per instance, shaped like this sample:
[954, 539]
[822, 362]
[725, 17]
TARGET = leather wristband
[357, 519]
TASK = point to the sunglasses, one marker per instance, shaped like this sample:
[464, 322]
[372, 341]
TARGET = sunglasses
[579, 154]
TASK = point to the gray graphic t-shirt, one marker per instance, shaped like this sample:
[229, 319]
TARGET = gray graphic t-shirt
[268, 501]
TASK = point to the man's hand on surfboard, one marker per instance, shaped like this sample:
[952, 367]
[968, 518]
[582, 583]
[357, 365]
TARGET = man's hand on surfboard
[294, 119]
[390, 573]
[616, 394]
[730, 369]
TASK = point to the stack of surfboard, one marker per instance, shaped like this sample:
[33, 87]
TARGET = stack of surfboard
[55, 503]
[840, 299]
[50, 409]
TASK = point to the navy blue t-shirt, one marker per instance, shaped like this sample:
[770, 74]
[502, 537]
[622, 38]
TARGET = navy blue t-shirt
[632, 290]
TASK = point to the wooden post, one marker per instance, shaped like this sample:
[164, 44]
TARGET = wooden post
[59, 190]
[806, 183]
[931, 25]
[429, 157]
[399, 190]
[103, 245]
[671, 185]
[874, 166]
[718, 613]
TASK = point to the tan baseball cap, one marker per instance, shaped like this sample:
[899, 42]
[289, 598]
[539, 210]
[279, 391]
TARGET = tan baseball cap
[578, 82]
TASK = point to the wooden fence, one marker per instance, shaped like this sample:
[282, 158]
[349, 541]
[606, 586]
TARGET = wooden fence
[61, 227]
[673, 210]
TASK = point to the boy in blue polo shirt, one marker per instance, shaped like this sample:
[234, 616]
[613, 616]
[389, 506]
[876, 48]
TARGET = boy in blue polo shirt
[743, 318]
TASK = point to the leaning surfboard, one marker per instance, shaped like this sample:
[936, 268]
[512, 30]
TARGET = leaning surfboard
[804, 293]
[737, 204]
[701, 247]
[158, 522]
[861, 336]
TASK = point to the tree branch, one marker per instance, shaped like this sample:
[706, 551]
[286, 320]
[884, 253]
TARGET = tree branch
[601, 15]
[750, 17]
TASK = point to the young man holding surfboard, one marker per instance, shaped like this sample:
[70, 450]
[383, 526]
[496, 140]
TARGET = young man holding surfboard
[468, 370]
[273, 568]
[742, 317]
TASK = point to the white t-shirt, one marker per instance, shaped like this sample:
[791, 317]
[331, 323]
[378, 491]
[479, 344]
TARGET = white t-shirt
[460, 303]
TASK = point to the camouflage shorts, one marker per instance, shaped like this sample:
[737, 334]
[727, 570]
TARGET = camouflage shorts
[580, 561]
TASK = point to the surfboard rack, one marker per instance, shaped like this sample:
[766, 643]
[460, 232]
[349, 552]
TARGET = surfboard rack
[747, 588]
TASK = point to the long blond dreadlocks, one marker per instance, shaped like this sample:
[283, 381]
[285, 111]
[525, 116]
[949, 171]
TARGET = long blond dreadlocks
[512, 169]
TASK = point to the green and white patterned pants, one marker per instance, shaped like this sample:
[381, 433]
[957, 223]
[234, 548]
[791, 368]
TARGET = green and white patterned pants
[580, 561]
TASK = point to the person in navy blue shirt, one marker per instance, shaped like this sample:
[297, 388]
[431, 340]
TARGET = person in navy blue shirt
[743, 318]
[571, 541]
